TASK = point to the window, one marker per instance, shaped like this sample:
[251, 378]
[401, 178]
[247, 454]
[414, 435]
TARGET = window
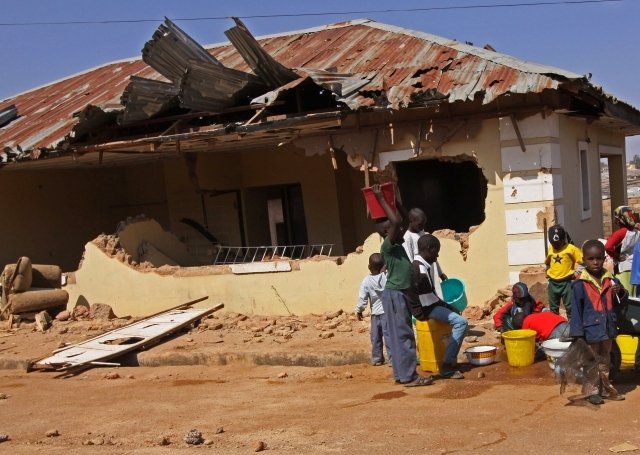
[583, 175]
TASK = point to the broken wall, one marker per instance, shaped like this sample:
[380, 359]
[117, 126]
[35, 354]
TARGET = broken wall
[48, 215]
[323, 190]
[313, 286]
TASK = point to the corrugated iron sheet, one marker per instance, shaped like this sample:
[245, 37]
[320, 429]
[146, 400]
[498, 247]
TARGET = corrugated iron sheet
[387, 66]
[145, 98]
[170, 50]
[272, 73]
[211, 88]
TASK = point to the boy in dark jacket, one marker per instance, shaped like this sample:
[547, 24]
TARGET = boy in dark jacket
[594, 295]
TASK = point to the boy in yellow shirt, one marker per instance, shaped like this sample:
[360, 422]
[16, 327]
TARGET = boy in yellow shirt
[561, 262]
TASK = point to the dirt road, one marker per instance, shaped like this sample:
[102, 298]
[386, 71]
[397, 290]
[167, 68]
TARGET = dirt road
[351, 409]
[292, 409]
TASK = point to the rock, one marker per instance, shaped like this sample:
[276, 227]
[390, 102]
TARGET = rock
[471, 339]
[481, 375]
[319, 326]
[52, 433]
[189, 340]
[43, 321]
[4, 437]
[99, 441]
[259, 446]
[268, 330]
[326, 335]
[539, 292]
[164, 441]
[63, 316]
[345, 328]
[101, 311]
[194, 437]
[131, 376]
[80, 312]
[208, 442]
[283, 375]
[219, 430]
[242, 317]
[333, 315]
[217, 326]
[348, 375]
[331, 325]
[111, 375]
[63, 330]
[473, 313]
[3, 396]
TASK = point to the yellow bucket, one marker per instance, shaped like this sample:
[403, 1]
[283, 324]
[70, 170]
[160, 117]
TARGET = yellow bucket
[520, 346]
[628, 346]
[433, 337]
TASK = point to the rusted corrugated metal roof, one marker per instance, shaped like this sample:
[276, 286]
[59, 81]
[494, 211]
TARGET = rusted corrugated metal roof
[385, 65]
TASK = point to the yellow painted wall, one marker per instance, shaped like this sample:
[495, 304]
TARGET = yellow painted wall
[48, 215]
[571, 132]
[486, 268]
[318, 286]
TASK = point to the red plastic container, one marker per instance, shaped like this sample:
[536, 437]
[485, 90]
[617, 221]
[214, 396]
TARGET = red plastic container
[389, 194]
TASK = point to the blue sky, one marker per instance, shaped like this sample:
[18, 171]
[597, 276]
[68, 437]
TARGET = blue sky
[583, 38]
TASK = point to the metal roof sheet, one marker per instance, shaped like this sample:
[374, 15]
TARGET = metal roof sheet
[399, 67]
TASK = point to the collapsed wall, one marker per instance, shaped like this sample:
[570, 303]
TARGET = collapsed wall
[115, 271]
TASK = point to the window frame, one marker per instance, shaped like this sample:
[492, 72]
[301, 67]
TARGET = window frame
[584, 169]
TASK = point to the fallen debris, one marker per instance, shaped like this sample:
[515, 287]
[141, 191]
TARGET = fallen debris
[259, 446]
[43, 321]
[4, 437]
[115, 343]
[52, 433]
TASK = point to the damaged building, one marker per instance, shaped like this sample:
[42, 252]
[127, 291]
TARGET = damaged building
[233, 149]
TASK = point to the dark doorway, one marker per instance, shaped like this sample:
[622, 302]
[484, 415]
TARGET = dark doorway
[452, 194]
[274, 215]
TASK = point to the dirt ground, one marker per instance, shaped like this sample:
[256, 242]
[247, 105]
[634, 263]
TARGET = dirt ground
[294, 409]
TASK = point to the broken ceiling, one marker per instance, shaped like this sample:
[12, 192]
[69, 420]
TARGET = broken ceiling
[252, 93]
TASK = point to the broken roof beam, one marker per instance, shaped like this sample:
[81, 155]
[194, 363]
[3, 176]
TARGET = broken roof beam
[263, 65]
[170, 50]
[146, 98]
[206, 87]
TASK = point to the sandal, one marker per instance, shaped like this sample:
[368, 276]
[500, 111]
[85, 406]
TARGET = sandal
[451, 374]
[595, 399]
[419, 381]
[619, 397]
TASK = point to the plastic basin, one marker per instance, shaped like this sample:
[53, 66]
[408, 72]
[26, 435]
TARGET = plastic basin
[481, 355]
[389, 195]
[554, 349]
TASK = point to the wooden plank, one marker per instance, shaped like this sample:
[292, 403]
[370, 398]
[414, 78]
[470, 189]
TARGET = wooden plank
[97, 350]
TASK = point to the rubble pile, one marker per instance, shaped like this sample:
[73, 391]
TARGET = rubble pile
[281, 329]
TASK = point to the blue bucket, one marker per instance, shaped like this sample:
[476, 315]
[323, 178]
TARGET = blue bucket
[453, 293]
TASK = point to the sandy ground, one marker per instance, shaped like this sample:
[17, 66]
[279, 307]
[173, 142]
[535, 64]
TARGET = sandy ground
[296, 409]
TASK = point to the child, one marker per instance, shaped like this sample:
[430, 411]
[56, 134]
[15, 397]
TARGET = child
[415, 230]
[595, 294]
[432, 305]
[402, 342]
[521, 302]
[371, 293]
[561, 262]
[621, 244]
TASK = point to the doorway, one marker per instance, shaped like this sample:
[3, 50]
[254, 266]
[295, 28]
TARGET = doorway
[274, 215]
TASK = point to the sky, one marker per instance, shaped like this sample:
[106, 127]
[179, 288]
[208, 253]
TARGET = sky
[587, 38]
